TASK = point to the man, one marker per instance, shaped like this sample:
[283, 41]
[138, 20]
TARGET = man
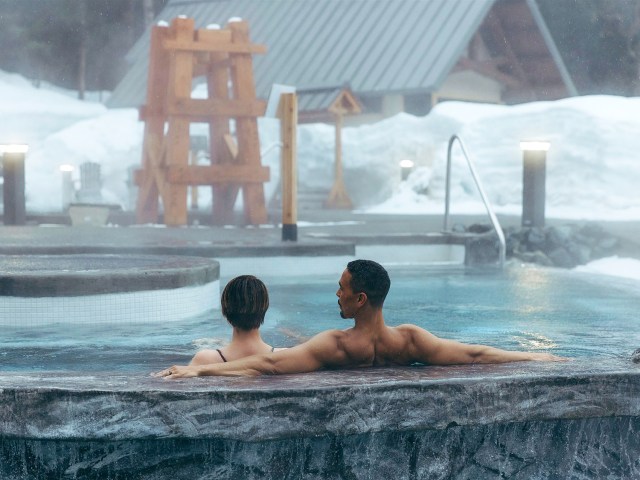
[362, 290]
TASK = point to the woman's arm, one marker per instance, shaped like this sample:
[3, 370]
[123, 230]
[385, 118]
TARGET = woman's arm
[319, 352]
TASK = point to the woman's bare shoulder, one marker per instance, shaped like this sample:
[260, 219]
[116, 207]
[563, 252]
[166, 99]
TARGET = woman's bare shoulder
[206, 357]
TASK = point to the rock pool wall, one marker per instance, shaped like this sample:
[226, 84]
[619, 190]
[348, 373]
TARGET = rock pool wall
[531, 420]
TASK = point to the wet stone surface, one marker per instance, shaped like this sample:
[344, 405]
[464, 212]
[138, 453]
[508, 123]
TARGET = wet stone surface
[579, 419]
[570, 449]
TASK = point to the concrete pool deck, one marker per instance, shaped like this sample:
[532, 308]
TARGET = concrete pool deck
[320, 233]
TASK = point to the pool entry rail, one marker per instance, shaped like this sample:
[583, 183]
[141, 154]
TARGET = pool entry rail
[447, 197]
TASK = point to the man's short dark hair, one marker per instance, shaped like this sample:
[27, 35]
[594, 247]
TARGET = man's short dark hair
[245, 301]
[371, 278]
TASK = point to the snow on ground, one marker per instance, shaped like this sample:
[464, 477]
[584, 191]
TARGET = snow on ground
[593, 167]
[614, 266]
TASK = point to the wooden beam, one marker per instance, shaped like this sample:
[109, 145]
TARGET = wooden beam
[147, 203]
[192, 46]
[244, 89]
[211, 36]
[338, 196]
[177, 139]
[217, 174]
[224, 195]
[204, 109]
[147, 112]
[231, 145]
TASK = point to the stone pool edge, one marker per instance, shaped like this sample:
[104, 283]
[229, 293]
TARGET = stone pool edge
[104, 406]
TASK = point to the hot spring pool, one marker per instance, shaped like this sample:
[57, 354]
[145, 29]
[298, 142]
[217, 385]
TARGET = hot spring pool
[564, 312]
[77, 401]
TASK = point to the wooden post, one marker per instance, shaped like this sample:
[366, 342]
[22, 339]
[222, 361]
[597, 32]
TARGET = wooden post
[181, 74]
[244, 89]
[193, 160]
[224, 195]
[338, 197]
[288, 113]
[154, 116]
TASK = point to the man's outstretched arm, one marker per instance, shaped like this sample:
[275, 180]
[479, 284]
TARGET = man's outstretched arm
[319, 352]
[429, 349]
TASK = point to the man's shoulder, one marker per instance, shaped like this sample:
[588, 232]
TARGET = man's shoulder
[408, 328]
[330, 334]
[412, 333]
[327, 340]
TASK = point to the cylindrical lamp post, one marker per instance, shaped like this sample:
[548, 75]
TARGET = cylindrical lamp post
[68, 190]
[533, 182]
[14, 180]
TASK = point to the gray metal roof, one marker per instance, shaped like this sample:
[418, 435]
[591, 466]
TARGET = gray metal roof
[376, 46]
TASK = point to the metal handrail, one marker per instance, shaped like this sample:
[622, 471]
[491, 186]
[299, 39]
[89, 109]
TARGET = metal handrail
[476, 178]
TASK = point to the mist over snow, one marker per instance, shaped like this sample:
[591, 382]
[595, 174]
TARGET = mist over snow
[593, 167]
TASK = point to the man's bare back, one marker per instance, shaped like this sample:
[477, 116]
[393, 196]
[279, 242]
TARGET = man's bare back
[369, 343]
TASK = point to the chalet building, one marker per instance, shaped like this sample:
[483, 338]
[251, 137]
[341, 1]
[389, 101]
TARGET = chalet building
[389, 55]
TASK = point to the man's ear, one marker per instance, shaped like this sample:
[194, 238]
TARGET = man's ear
[362, 298]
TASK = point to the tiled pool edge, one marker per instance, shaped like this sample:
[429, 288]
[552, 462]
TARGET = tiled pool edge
[42, 290]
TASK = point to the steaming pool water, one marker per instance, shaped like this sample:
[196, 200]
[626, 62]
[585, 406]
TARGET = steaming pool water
[564, 312]
[77, 401]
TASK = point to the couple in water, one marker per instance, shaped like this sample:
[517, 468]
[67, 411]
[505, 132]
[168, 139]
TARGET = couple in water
[362, 289]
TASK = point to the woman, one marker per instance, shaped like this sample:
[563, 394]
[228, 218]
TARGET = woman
[245, 301]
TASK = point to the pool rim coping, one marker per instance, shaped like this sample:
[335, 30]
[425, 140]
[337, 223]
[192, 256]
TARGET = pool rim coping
[318, 403]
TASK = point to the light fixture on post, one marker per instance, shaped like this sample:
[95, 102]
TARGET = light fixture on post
[68, 190]
[534, 159]
[13, 156]
[406, 167]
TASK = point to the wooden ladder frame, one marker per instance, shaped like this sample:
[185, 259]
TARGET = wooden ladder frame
[179, 53]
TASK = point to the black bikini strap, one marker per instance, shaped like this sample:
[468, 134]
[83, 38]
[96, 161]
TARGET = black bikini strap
[221, 355]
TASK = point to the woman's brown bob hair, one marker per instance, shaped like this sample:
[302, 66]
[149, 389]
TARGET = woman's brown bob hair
[245, 301]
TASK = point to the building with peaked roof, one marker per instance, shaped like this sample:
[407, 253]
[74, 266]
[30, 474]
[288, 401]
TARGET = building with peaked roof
[395, 55]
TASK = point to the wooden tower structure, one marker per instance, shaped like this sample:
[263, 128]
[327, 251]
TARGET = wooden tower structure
[180, 53]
